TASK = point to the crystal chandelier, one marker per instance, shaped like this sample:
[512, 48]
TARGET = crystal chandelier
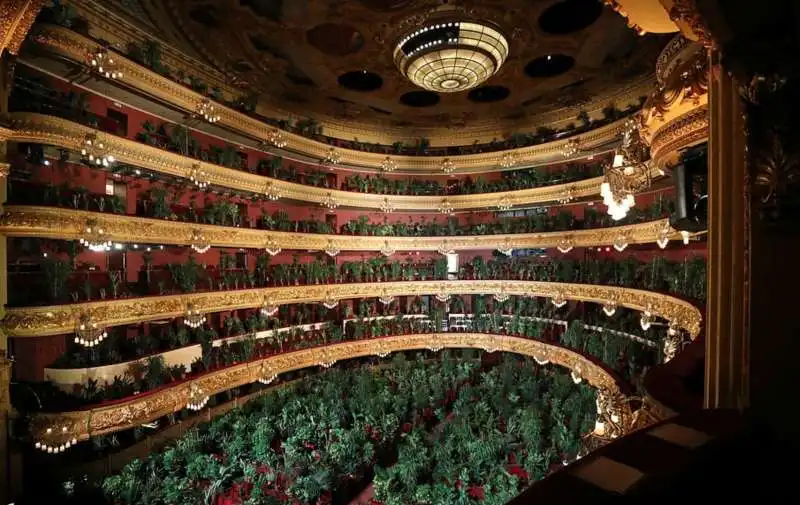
[566, 196]
[206, 110]
[268, 308]
[88, 333]
[331, 250]
[448, 166]
[565, 245]
[272, 192]
[330, 302]
[271, 246]
[445, 207]
[386, 206]
[326, 359]
[102, 61]
[387, 250]
[55, 449]
[330, 202]
[505, 204]
[444, 249]
[627, 175]
[198, 176]
[558, 300]
[508, 160]
[276, 139]
[388, 165]
[95, 238]
[193, 318]
[452, 56]
[95, 151]
[197, 398]
[199, 242]
[570, 148]
[620, 243]
[332, 158]
[266, 375]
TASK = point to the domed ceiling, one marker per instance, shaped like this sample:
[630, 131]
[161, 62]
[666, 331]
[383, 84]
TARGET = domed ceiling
[332, 59]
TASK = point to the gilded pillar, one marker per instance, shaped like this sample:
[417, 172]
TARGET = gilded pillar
[727, 310]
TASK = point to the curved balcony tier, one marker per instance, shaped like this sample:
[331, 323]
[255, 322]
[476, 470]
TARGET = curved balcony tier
[74, 46]
[54, 429]
[52, 130]
[68, 224]
[62, 319]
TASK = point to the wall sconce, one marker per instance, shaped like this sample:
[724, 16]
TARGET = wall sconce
[646, 320]
[610, 308]
[332, 158]
[387, 250]
[268, 308]
[54, 448]
[506, 203]
[327, 359]
[199, 176]
[566, 196]
[95, 151]
[331, 250]
[508, 160]
[620, 243]
[558, 300]
[444, 249]
[565, 245]
[330, 302]
[266, 375]
[570, 148]
[442, 297]
[445, 207]
[330, 202]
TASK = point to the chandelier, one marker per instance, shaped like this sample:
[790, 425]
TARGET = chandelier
[55, 449]
[505, 203]
[576, 378]
[88, 333]
[198, 176]
[566, 196]
[268, 308]
[95, 151]
[646, 320]
[620, 243]
[266, 375]
[663, 237]
[508, 160]
[541, 361]
[383, 350]
[95, 239]
[565, 245]
[272, 192]
[332, 158]
[330, 202]
[570, 148]
[199, 243]
[206, 110]
[505, 250]
[271, 246]
[193, 318]
[388, 165]
[610, 414]
[502, 296]
[197, 399]
[331, 250]
[387, 250]
[610, 307]
[326, 359]
[447, 166]
[450, 57]
[628, 174]
[330, 302]
[386, 206]
[445, 207]
[101, 61]
[434, 347]
[444, 249]
[558, 300]
[442, 297]
[386, 298]
[276, 139]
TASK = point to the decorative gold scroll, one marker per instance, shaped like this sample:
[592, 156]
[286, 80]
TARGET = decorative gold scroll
[59, 319]
[68, 224]
[81, 425]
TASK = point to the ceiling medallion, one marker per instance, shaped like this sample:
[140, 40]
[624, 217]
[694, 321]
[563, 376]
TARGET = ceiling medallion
[388, 165]
[448, 166]
[627, 175]
[451, 57]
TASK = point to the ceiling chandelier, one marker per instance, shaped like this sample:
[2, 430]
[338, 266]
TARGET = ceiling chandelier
[266, 375]
[388, 165]
[570, 148]
[271, 246]
[332, 158]
[448, 166]
[445, 207]
[95, 239]
[197, 399]
[95, 151]
[452, 56]
[276, 139]
[102, 61]
[88, 333]
[193, 318]
[272, 192]
[508, 160]
[268, 308]
[627, 175]
[198, 176]
[330, 202]
[206, 110]
[386, 206]
[199, 242]
[505, 204]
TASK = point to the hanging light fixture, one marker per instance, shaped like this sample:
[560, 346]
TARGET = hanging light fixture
[577, 379]
[266, 374]
[197, 398]
[326, 358]
[663, 237]
[447, 166]
[330, 202]
[566, 196]
[193, 318]
[570, 148]
[272, 192]
[610, 307]
[382, 349]
[207, 111]
[94, 237]
[558, 300]
[505, 204]
[268, 308]
[646, 320]
[88, 333]
[444, 249]
[198, 242]
[442, 297]
[565, 245]
[387, 249]
[508, 160]
[101, 61]
[541, 361]
[95, 151]
[332, 158]
[388, 165]
[386, 298]
[386, 206]
[330, 302]
[199, 176]
[56, 448]
[434, 347]
[501, 297]
[276, 139]
[331, 250]
[620, 243]
[628, 174]
[271, 246]
[445, 207]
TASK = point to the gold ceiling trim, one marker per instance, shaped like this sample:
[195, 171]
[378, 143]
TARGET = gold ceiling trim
[75, 46]
[140, 409]
[44, 129]
[678, 134]
[62, 319]
[16, 18]
[68, 224]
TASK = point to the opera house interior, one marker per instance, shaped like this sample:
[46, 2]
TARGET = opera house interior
[547, 241]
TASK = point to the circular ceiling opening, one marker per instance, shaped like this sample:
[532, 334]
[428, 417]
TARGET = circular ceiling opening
[419, 99]
[570, 16]
[488, 94]
[335, 39]
[360, 80]
[549, 66]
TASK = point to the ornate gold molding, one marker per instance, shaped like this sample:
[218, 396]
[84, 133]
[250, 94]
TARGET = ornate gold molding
[38, 128]
[72, 45]
[680, 133]
[16, 18]
[67, 224]
[58, 428]
[60, 319]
